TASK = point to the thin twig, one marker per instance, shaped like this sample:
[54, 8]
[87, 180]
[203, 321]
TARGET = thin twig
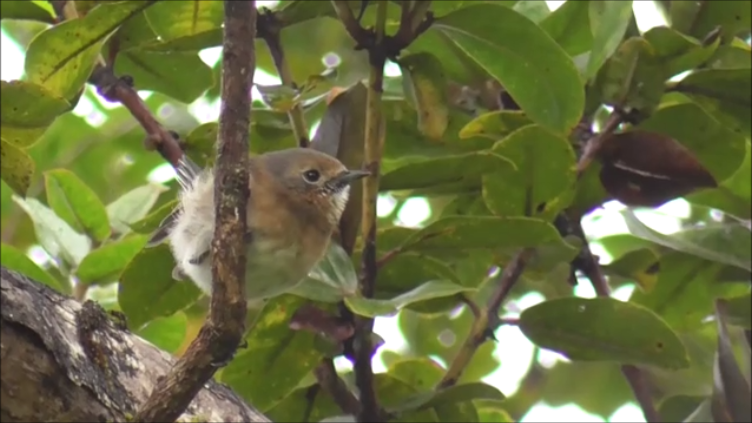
[222, 332]
[487, 320]
[595, 144]
[121, 90]
[269, 30]
[588, 264]
[327, 377]
[361, 36]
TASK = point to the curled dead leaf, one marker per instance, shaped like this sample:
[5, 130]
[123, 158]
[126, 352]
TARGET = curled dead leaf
[643, 168]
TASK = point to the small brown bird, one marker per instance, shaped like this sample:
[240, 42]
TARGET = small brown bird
[297, 198]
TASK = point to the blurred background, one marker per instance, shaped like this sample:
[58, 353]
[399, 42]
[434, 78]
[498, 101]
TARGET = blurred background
[103, 144]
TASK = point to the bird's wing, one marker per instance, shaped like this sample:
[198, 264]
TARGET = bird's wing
[163, 230]
[187, 171]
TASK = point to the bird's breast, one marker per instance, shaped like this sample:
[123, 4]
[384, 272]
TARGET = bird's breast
[276, 264]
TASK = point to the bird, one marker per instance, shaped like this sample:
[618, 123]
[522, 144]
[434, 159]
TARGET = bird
[297, 197]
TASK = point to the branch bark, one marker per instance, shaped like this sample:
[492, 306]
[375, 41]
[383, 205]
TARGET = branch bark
[370, 410]
[72, 362]
[223, 331]
[487, 319]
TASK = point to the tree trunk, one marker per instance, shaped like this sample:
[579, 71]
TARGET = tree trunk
[64, 361]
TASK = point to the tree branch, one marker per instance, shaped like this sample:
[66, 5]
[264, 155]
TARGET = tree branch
[370, 410]
[223, 331]
[121, 90]
[327, 377]
[487, 320]
[269, 28]
[588, 264]
[74, 362]
[595, 144]
[362, 37]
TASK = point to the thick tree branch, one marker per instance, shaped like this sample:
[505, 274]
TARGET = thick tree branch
[269, 28]
[223, 331]
[487, 319]
[75, 363]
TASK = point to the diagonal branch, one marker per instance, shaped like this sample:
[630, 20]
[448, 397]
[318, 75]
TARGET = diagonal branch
[223, 331]
[487, 319]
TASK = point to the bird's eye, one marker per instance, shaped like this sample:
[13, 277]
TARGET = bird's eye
[311, 176]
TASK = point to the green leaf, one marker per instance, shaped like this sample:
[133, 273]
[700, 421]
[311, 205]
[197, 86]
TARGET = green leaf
[460, 169]
[133, 206]
[497, 414]
[693, 127]
[631, 78]
[537, 73]
[332, 279]
[542, 180]
[406, 272]
[732, 16]
[150, 223]
[14, 259]
[370, 307]
[609, 21]
[731, 57]
[73, 201]
[677, 52]
[733, 195]
[299, 404]
[736, 311]
[180, 75]
[603, 329]
[275, 354]
[167, 333]
[683, 295]
[16, 167]
[62, 57]
[107, 262]
[422, 373]
[27, 111]
[424, 84]
[569, 25]
[54, 234]
[725, 243]
[728, 85]
[25, 10]
[186, 25]
[724, 93]
[495, 125]
[452, 395]
[462, 233]
[147, 290]
[731, 392]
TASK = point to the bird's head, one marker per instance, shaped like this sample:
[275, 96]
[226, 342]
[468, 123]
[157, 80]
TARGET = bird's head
[313, 177]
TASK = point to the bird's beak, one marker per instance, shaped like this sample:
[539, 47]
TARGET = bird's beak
[349, 176]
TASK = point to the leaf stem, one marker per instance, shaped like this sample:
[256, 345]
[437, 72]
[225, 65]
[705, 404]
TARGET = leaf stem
[222, 332]
[487, 319]
[269, 27]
